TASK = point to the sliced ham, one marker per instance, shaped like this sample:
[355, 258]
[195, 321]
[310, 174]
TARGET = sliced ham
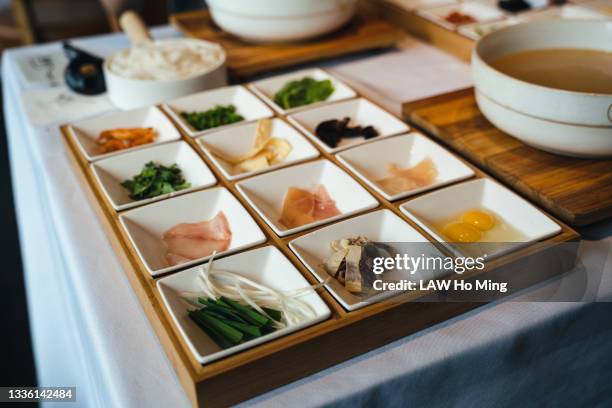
[324, 206]
[302, 207]
[406, 179]
[188, 241]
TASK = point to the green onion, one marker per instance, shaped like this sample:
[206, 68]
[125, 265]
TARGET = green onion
[249, 315]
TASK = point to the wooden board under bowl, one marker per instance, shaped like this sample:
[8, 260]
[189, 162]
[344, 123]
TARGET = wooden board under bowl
[345, 334]
[247, 59]
[579, 191]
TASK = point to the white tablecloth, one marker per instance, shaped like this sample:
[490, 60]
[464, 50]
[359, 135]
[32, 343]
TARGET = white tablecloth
[89, 330]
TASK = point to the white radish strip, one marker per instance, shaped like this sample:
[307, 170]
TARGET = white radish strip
[218, 283]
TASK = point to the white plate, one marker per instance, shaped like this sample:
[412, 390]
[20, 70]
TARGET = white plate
[146, 225]
[85, 132]
[266, 193]
[238, 140]
[361, 112]
[449, 202]
[247, 105]
[412, 5]
[267, 266]
[477, 30]
[111, 172]
[267, 88]
[369, 162]
[481, 12]
[380, 226]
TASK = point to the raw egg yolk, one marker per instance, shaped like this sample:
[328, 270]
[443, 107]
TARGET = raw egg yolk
[479, 219]
[462, 232]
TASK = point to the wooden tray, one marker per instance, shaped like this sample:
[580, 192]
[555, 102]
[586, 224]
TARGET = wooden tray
[344, 335]
[244, 59]
[579, 191]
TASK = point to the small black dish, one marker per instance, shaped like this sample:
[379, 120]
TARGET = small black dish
[84, 74]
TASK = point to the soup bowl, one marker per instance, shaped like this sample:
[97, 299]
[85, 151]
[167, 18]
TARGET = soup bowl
[559, 121]
[272, 21]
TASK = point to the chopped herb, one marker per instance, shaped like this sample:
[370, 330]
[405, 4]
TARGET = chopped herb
[218, 116]
[303, 92]
[154, 180]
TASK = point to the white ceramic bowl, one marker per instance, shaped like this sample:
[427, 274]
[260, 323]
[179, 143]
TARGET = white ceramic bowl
[146, 225]
[86, 131]
[112, 171]
[267, 88]
[380, 226]
[267, 266]
[361, 112]
[559, 121]
[128, 93]
[281, 20]
[369, 162]
[238, 140]
[247, 105]
[266, 192]
[441, 205]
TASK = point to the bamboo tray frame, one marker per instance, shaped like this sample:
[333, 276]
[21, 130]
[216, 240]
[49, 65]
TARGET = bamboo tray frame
[290, 357]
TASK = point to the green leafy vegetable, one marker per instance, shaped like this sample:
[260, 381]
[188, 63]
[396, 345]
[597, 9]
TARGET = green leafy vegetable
[218, 116]
[228, 322]
[154, 180]
[303, 92]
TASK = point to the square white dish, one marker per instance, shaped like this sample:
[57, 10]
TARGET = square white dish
[146, 225]
[267, 266]
[379, 226]
[481, 12]
[477, 30]
[247, 105]
[368, 162]
[238, 140]
[441, 205]
[412, 5]
[361, 111]
[266, 192]
[85, 132]
[112, 171]
[267, 88]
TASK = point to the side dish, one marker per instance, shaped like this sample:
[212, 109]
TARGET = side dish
[303, 92]
[459, 18]
[124, 138]
[400, 179]
[188, 241]
[166, 60]
[479, 225]
[331, 132]
[302, 207]
[218, 116]
[233, 309]
[352, 262]
[266, 151]
[154, 180]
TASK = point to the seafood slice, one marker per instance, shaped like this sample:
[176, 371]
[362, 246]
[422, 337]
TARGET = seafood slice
[189, 241]
[298, 208]
[400, 180]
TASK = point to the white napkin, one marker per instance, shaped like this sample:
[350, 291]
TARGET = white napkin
[415, 71]
[59, 105]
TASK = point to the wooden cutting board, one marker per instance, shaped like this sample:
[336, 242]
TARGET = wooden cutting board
[245, 59]
[579, 191]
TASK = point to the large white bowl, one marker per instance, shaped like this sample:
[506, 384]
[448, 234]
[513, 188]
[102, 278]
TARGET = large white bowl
[281, 20]
[129, 93]
[558, 121]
